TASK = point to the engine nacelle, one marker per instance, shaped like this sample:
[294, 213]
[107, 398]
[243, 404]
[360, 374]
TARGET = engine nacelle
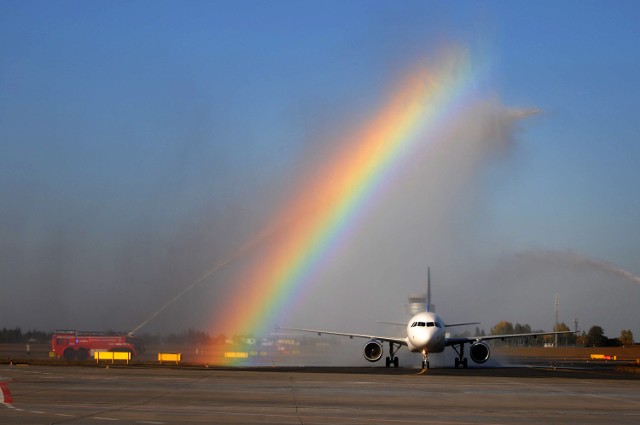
[373, 350]
[479, 352]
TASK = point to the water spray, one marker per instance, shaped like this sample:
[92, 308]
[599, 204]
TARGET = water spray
[572, 257]
[244, 249]
[240, 252]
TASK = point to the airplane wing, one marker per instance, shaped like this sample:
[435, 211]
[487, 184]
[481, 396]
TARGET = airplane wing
[404, 325]
[471, 340]
[396, 340]
[450, 325]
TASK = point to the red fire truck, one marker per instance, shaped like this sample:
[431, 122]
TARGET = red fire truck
[75, 345]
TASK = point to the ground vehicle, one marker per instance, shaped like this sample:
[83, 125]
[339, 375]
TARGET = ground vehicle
[76, 345]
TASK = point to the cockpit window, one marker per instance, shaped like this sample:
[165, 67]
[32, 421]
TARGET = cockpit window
[426, 324]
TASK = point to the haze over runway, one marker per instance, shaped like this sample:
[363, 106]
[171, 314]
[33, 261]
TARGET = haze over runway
[145, 143]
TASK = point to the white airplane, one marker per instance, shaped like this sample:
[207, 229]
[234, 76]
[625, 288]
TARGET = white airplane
[426, 334]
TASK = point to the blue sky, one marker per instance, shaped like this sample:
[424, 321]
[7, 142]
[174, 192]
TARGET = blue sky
[133, 132]
[577, 62]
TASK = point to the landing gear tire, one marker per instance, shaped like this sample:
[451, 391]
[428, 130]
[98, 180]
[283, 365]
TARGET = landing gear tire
[461, 363]
[389, 362]
[392, 359]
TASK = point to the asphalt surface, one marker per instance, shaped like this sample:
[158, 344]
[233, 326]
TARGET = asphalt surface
[170, 395]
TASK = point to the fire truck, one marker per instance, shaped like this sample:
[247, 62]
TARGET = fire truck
[75, 345]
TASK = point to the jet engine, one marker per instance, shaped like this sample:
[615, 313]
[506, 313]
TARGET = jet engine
[373, 350]
[479, 352]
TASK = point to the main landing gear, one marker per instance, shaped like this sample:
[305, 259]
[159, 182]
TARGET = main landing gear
[392, 359]
[460, 361]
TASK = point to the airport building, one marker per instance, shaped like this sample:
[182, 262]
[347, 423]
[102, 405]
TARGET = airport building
[416, 304]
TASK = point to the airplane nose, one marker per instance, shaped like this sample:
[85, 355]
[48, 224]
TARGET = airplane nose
[420, 338]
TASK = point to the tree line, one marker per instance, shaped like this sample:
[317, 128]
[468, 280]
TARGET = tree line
[15, 336]
[595, 337]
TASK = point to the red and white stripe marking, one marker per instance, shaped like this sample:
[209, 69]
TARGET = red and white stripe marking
[6, 394]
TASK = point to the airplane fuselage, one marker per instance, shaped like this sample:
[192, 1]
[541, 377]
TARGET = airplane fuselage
[426, 333]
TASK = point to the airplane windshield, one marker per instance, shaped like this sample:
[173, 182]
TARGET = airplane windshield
[430, 324]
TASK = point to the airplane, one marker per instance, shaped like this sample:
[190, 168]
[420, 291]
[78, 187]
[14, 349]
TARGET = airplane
[426, 334]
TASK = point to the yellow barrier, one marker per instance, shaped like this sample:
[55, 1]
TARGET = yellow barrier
[169, 357]
[602, 357]
[236, 355]
[112, 355]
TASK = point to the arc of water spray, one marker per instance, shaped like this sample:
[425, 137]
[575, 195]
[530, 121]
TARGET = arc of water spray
[573, 257]
[243, 250]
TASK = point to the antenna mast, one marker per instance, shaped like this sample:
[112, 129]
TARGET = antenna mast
[557, 312]
[428, 288]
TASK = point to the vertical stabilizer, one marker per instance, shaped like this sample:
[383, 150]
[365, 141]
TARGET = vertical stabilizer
[429, 289]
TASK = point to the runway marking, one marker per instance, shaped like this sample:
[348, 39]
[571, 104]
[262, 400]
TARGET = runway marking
[614, 398]
[357, 419]
[6, 394]
[574, 393]
[103, 418]
[295, 400]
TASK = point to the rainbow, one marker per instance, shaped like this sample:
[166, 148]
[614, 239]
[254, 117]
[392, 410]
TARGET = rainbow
[327, 207]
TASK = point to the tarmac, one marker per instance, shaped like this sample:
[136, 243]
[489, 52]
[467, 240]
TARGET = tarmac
[369, 395]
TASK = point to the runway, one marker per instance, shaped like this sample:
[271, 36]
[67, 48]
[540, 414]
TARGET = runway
[141, 395]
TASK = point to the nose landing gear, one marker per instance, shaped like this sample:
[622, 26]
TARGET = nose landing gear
[425, 360]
